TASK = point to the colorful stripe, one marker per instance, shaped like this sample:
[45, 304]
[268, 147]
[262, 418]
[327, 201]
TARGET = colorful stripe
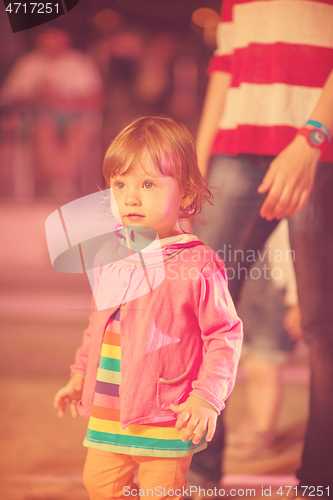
[142, 443]
[97, 424]
[104, 428]
[110, 351]
[152, 452]
[105, 413]
[104, 401]
[112, 338]
[109, 364]
[108, 376]
[106, 388]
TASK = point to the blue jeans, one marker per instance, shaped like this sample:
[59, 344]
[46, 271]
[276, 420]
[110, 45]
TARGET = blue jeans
[235, 229]
[262, 309]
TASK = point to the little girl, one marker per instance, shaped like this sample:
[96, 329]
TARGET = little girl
[153, 372]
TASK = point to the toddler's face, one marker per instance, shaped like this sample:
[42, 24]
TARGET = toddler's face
[145, 197]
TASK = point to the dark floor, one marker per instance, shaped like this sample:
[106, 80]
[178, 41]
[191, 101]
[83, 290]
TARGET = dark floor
[42, 314]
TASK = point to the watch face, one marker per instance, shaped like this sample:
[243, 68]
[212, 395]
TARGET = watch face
[316, 137]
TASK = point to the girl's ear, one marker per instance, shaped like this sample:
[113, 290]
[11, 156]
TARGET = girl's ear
[186, 201]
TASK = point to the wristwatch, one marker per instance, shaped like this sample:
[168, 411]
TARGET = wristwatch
[314, 137]
[318, 136]
[322, 127]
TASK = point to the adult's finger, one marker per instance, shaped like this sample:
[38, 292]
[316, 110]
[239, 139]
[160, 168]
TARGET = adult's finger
[282, 207]
[294, 201]
[268, 179]
[303, 199]
[273, 197]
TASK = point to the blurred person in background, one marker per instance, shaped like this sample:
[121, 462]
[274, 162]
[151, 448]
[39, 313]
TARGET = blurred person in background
[62, 88]
[272, 71]
[137, 68]
[118, 55]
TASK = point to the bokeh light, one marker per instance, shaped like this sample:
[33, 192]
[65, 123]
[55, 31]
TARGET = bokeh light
[205, 18]
[108, 19]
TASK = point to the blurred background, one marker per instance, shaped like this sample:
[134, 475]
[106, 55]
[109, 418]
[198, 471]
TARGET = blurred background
[67, 89]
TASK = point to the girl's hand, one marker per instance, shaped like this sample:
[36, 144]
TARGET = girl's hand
[71, 394]
[198, 417]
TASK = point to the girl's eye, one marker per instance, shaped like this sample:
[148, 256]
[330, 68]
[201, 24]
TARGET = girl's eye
[120, 185]
[148, 185]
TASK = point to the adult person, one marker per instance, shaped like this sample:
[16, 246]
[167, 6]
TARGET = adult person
[270, 314]
[63, 89]
[272, 71]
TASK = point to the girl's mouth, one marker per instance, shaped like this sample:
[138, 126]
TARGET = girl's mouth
[134, 217]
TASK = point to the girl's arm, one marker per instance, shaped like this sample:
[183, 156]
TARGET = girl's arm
[82, 353]
[71, 393]
[222, 338]
[222, 334]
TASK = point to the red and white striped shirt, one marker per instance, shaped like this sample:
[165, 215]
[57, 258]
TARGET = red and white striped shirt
[280, 53]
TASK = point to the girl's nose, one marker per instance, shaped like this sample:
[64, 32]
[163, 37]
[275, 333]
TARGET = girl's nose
[132, 198]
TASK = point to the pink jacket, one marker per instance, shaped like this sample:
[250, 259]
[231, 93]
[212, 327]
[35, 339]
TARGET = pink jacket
[183, 337]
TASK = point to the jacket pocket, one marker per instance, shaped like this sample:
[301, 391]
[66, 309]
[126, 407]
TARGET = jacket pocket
[172, 391]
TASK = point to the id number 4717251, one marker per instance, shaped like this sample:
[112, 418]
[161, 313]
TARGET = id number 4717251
[32, 7]
[304, 491]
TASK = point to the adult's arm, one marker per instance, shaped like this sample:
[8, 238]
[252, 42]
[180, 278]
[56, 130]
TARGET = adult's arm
[219, 82]
[290, 177]
[218, 85]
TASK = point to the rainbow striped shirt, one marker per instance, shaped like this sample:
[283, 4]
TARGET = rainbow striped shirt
[104, 430]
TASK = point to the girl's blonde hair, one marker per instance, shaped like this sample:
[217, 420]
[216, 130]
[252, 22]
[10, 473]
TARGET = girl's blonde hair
[171, 149]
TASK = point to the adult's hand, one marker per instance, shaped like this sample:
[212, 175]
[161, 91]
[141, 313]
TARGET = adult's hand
[289, 179]
[292, 322]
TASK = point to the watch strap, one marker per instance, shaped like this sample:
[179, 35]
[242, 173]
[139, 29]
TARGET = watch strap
[322, 127]
[306, 131]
